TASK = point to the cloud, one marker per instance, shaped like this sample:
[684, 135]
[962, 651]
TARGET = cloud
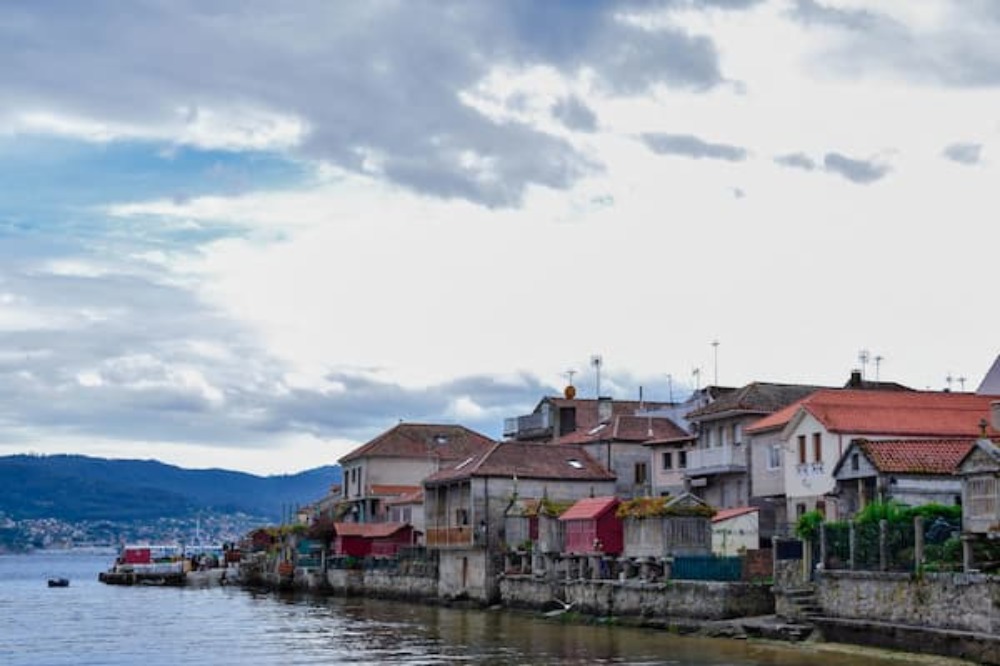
[964, 153]
[575, 114]
[686, 145]
[338, 82]
[951, 48]
[796, 161]
[858, 171]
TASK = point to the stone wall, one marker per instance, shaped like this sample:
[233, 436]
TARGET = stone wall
[959, 601]
[380, 584]
[674, 599]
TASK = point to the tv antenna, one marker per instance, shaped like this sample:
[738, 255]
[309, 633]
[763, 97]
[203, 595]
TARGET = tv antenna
[715, 347]
[696, 373]
[569, 376]
[863, 358]
[596, 362]
[949, 379]
[878, 361]
[961, 382]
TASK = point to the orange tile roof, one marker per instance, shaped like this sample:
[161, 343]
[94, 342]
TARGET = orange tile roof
[416, 497]
[368, 530]
[900, 414]
[589, 508]
[916, 456]
[725, 514]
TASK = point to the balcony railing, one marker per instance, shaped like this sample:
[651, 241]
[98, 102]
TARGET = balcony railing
[530, 425]
[450, 537]
[716, 460]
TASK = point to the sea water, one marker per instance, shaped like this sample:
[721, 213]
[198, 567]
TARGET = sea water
[92, 623]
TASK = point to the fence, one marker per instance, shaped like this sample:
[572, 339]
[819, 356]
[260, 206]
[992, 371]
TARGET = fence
[887, 546]
[707, 567]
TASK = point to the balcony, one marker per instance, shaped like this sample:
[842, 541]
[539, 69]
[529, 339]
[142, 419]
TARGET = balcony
[716, 460]
[450, 537]
[529, 426]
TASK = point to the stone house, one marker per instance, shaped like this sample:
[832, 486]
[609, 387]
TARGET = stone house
[718, 467]
[620, 444]
[556, 417]
[813, 434]
[395, 463]
[909, 471]
[465, 506]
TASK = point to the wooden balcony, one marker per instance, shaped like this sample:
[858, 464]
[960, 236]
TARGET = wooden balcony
[450, 537]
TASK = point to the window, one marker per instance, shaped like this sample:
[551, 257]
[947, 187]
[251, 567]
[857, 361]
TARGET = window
[855, 462]
[800, 508]
[567, 420]
[982, 493]
[640, 473]
[774, 457]
[682, 459]
[821, 507]
[817, 447]
[722, 436]
[668, 460]
[802, 449]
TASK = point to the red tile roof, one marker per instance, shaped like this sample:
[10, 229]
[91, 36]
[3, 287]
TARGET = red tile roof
[409, 498]
[628, 428]
[725, 514]
[899, 414]
[528, 460]
[368, 530]
[916, 456]
[389, 490]
[423, 440]
[589, 508]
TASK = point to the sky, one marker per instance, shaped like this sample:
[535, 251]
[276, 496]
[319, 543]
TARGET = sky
[253, 235]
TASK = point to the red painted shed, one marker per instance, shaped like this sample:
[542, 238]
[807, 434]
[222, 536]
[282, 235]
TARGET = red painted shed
[379, 539]
[592, 526]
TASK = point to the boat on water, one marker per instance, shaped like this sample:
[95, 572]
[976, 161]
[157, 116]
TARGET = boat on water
[146, 564]
[58, 582]
[165, 565]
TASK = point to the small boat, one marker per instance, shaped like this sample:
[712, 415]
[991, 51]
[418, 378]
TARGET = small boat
[58, 582]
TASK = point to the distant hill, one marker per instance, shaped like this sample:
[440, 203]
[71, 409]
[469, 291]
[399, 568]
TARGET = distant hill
[73, 488]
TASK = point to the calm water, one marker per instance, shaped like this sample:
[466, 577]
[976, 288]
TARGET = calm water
[93, 623]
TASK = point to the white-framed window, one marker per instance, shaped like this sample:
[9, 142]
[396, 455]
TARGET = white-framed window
[667, 458]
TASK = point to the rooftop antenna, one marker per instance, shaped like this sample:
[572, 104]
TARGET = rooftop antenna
[697, 378]
[878, 362]
[949, 379]
[596, 362]
[863, 357]
[961, 382]
[570, 391]
[715, 345]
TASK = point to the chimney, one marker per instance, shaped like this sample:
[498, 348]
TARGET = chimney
[855, 380]
[603, 409]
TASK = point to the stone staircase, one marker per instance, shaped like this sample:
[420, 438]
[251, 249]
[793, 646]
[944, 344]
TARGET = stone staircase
[802, 604]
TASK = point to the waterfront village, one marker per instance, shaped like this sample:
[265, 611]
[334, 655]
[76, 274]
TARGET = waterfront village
[859, 513]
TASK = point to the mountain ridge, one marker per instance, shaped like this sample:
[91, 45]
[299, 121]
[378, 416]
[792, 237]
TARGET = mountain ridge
[76, 487]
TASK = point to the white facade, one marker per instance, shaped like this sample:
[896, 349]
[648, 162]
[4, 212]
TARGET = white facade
[737, 534]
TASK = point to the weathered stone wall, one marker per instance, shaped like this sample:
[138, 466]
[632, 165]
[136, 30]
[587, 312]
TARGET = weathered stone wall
[384, 584]
[678, 599]
[965, 602]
